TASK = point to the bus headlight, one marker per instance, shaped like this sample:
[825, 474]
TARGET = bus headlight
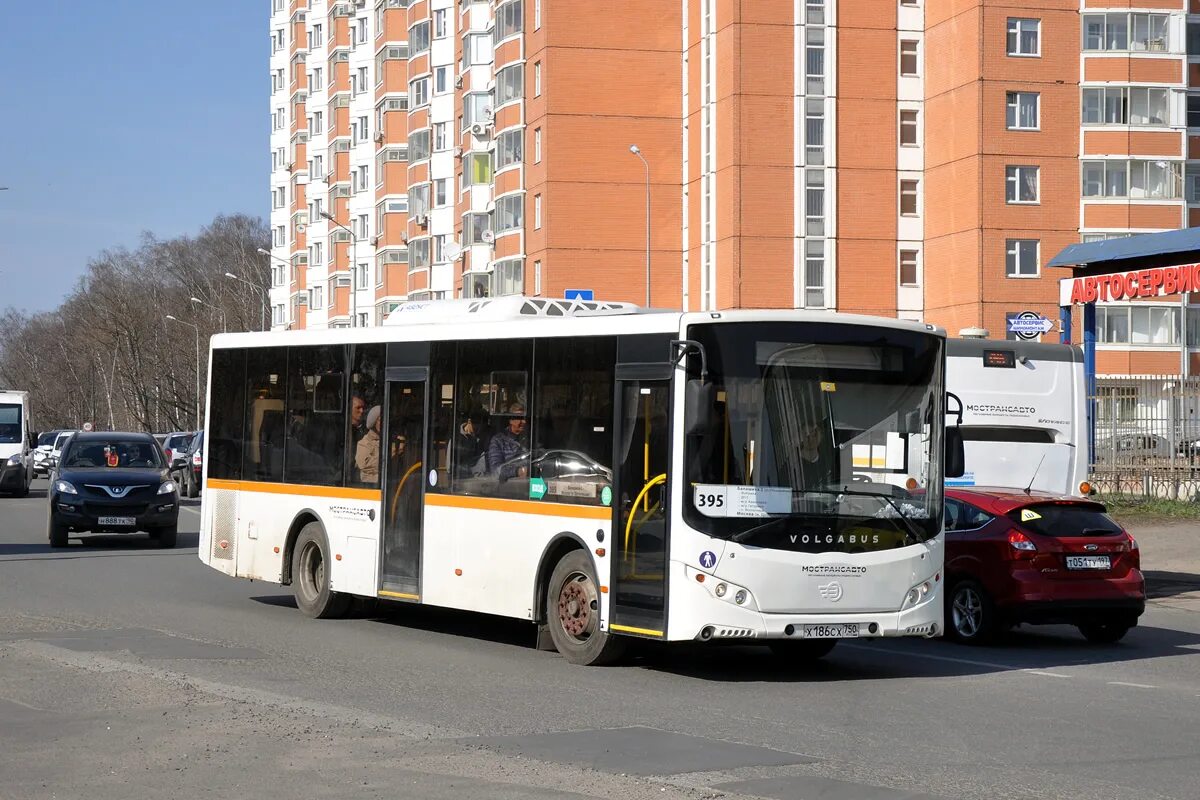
[740, 597]
[917, 594]
[721, 589]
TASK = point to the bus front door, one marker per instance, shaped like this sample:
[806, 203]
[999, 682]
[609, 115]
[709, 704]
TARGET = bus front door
[402, 455]
[639, 563]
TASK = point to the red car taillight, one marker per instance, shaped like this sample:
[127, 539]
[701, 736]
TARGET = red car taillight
[1135, 553]
[1021, 547]
[196, 458]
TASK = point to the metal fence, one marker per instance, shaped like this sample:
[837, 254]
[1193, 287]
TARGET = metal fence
[1147, 437]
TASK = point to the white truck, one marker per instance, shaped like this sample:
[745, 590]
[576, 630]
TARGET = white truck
[16, 443]
[1024, 422]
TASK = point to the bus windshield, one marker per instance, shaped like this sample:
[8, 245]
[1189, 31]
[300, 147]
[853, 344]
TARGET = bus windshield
[824, 437]
[10, 423]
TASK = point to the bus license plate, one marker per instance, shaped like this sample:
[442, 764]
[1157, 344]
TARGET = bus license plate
[117, 520]
[845, 631]
[1088, 562]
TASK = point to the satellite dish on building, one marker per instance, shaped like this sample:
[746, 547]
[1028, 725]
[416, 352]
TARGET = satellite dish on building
[452, 250]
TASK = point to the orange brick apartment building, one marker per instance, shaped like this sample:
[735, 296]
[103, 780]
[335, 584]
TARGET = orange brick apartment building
[920, 158]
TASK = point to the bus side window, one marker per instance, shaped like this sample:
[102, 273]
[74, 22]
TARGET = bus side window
[263, 430]
[316, 413]
[494, 372]
[227, 414]
[366, 392]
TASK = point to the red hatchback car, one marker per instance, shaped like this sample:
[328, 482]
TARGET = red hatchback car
[1014, 557]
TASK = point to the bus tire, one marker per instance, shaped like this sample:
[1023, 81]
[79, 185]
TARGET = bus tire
[310, 576]
[573, 613]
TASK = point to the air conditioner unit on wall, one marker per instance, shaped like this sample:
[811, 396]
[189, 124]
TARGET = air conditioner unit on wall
[479, 129]
[421, 219]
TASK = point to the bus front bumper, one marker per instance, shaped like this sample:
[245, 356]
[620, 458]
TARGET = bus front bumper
[707, 618]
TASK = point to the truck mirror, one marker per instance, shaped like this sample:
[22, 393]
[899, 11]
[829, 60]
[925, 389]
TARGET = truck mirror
[955, 455]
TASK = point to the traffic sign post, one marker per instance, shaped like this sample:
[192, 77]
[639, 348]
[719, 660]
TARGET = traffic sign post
[1029, 325]
[87, 427]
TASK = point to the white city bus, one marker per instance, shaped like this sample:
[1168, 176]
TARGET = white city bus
[1024, 419]
[601, 470]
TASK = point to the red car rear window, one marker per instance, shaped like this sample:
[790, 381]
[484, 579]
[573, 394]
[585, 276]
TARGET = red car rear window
[1065, 520]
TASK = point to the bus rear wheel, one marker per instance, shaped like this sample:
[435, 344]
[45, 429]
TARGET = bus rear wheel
[310, 576]
[573, 614]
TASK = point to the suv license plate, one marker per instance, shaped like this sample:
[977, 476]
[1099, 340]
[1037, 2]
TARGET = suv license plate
[845, 631]
[1089, 562]
[117, 520]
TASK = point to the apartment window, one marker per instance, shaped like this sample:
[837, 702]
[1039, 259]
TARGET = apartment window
[1021, 111]
[316, 297]
[279, 198]
[1158, 180]
[1021, 258]
[814, 202]
[439, 23]
[1133, 105]
[418, 38]
[508, 148]
[418, 91]
[814, 132]
[510, 212]
[440, 142]
[908, 128]
[419, 145]
[1125, 31]
[474, 226]
[364, 177]
[537, 23]
[318, 79]
[419, 253]
[537, 79]
[362, 226]
[814, 273]
[508, 19]
[477, 169]
[280, 233]
[908, 197]
[537, 211]
[362, 80]
[276, 41]
[363, 129]
[439, 249]
[477, 49]
[360, 31]
[1021, 184]
[316, 123]
[815, 12]
[908, 268]
[277, 275]
[1192, 183]
[477, 108]
[318, 253]
[908, 58]
[316, 37]
[1193, 110]
[509, 276]
[537, 145]
[418, 200]
[441, 80]
[814, 60]
[441, 195]
[276, 80]
[510, 83]
[1193, 38]
[1024, 37]
[318, 167]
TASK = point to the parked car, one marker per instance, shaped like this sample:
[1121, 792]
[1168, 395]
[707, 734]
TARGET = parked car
[1130, 445]
[188, 469]
[113, 483]
[41, 454]
[176, 445]
[1038, 558]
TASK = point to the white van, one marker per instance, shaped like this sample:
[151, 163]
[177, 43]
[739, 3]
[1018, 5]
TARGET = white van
[1024, 421]
[16, 443]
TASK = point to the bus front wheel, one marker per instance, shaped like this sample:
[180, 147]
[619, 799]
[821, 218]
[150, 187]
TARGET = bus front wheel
[310, 576]
[573, 613]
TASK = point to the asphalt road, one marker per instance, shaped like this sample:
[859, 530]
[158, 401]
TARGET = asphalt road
[129, 672]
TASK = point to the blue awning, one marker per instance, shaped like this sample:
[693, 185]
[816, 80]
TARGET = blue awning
[1130, 248]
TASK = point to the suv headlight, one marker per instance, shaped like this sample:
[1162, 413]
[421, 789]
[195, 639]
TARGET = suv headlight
[14, 459]
[167, 487]
[63, 487]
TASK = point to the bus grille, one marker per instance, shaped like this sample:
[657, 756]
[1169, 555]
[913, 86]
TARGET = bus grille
[224, 525]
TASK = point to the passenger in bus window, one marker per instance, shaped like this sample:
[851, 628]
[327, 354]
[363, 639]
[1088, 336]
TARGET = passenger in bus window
[366, 455]
[358, 407]
[469, 448]
[507, 445]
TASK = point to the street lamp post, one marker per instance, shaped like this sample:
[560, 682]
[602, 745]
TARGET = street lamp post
[353, 268]
[258, 290]
[217, 309]
[633, 148]
[196, 328]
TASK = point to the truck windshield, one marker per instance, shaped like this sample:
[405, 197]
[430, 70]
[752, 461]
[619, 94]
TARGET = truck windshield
[824, 437]
[10, 423]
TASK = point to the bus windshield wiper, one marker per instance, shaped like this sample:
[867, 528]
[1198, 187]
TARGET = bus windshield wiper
[746, 534]
[908, 523]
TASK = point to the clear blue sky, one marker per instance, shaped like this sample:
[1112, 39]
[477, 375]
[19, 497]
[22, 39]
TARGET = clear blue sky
[124, 116]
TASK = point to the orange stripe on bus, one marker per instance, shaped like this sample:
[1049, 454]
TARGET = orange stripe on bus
[519, 506]
[297, 488]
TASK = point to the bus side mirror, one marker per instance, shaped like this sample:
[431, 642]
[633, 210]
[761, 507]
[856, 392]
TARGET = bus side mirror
[699, 398]
[955, 456]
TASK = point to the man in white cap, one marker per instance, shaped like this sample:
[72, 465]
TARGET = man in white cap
[366, 455]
